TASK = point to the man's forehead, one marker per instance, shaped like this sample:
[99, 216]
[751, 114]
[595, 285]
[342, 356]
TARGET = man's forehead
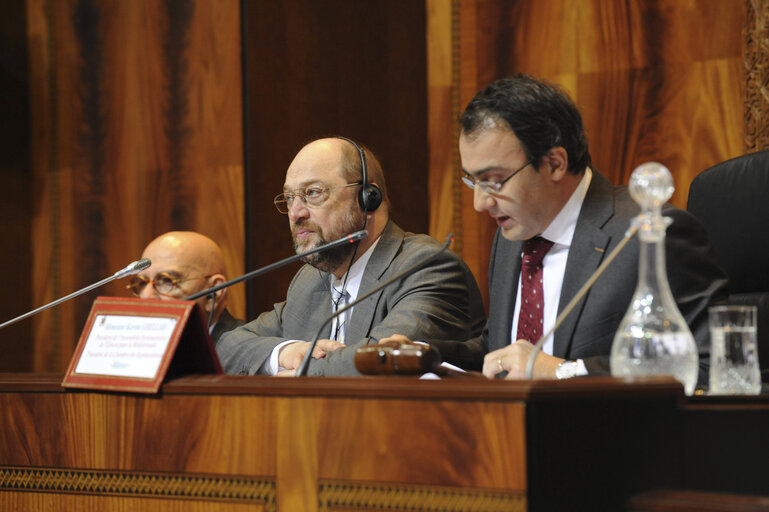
[313, 173]
[491, 150]
[172, 259]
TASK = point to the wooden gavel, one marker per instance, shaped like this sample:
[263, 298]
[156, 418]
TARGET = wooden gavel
[399, 358]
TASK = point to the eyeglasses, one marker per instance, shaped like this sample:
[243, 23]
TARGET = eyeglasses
[163, 282]
[312, 197]
[490, 187]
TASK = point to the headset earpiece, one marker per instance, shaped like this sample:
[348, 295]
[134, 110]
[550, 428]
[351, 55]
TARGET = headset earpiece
[370, 196]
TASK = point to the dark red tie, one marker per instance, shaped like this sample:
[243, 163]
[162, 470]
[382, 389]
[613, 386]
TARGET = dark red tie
[530, 318]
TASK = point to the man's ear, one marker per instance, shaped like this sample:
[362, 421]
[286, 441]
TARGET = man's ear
[215, 280]
[558, 162]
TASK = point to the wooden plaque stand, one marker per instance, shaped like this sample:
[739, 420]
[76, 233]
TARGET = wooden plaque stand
[188, 350]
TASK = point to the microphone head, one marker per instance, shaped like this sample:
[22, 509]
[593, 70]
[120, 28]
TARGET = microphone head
[358, 235]
[138, 266]
[134, 268]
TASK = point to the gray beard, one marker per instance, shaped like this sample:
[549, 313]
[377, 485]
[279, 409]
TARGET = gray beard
[331, 259]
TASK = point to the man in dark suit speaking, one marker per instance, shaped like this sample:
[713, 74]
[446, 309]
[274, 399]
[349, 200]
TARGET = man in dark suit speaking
[525, 154]
[326, 197]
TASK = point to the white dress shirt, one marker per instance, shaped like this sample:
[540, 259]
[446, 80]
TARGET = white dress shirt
[560, 232]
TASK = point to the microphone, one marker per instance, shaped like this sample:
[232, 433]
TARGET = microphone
[133, 268]
[629, 234]
[306, 361]
[349, 239]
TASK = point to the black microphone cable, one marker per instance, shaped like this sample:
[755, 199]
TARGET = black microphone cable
[302, 370]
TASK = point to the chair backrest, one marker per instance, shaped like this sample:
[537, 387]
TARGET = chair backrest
[731, 200]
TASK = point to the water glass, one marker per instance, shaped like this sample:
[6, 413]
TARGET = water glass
[734, 366]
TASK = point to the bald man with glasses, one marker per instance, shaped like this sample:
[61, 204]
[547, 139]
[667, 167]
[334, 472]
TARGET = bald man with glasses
[183, 263]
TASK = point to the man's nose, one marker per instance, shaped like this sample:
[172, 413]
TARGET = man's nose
[149, 292]
[297, 210]
[482, 200]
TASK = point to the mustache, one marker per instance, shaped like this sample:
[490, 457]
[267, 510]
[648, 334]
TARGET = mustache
[305, 225]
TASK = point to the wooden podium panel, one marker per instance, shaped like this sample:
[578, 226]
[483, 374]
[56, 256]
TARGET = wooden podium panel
[230, 443]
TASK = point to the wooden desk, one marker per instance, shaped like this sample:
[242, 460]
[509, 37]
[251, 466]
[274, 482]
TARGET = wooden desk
[726, 443]
[230, 443]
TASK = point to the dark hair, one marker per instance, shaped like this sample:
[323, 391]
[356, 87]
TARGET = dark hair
[540, 114]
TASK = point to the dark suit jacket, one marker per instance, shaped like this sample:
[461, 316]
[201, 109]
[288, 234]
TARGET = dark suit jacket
[225, 323]
[441, 300]
[695, 277]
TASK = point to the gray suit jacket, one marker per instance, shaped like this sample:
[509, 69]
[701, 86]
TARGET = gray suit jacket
[224, 324]
[695, 277]
[439, 301]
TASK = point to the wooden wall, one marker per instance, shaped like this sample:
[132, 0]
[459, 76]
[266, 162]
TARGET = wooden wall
[16, 189]
[655, 80]
[136, 119]
[332, 67]
[136, 130]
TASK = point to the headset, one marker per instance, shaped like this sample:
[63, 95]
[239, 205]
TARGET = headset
[369, 197]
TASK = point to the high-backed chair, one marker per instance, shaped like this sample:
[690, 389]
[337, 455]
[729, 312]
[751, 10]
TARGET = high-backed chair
[731, 200]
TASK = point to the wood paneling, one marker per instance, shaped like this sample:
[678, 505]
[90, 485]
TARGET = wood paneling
[136, 118]
[16, 191]
[137, 130]
[655, 80]
[375, 444]
[336, 67]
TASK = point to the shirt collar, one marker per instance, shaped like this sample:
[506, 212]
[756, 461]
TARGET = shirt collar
[355, 274]
[561, 229]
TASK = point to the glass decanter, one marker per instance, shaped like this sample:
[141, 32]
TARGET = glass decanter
[653, 337]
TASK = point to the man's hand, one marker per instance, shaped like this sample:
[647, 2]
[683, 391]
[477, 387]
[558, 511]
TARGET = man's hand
[514, 358]
[395, 338]
[291, 355]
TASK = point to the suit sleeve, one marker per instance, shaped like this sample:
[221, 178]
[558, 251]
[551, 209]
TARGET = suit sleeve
[244, 350]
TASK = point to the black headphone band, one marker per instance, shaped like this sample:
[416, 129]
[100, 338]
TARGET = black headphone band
[370, 197]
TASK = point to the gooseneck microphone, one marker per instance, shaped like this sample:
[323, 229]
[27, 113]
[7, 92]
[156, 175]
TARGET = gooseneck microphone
[349, 239]
[629, 234]
[132, 269]
[302, 370]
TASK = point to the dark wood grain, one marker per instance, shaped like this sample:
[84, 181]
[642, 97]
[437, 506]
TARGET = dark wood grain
[655, 80]
[359, 443]
[338, 67]
[136, 123]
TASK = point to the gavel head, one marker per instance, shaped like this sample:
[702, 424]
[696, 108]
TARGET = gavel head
[397, 358]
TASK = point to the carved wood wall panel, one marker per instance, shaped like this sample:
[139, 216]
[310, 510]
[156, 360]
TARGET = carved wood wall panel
[756, 75]
[137, 130]
[655, 80]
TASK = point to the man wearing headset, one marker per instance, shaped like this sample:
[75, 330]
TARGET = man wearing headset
[183, 263]
[333, 188]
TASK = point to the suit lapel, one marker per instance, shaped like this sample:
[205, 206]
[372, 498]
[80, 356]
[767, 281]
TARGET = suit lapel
[588, 249]
[364, 313]
[504, 288]
[315, 307]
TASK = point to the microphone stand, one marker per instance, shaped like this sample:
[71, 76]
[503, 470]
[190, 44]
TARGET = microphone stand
[351, 238]
[306, 361]
[629, 234]
[133, 268]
